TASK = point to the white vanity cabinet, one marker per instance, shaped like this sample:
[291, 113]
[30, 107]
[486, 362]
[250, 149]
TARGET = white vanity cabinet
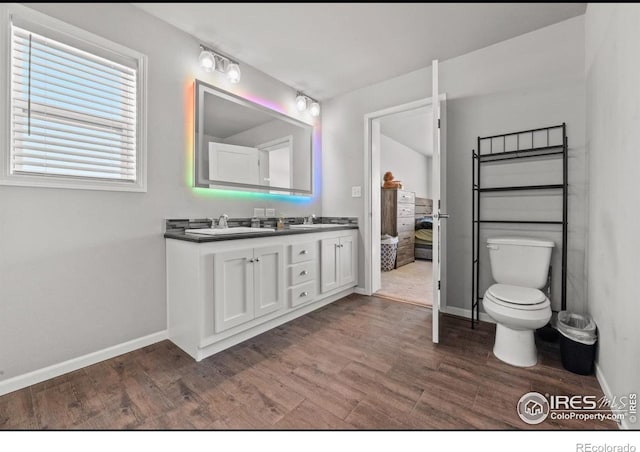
[220, 293]
[339, 259]
[247, 283]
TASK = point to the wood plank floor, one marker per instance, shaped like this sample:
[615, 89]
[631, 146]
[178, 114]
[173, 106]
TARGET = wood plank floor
[359, 363]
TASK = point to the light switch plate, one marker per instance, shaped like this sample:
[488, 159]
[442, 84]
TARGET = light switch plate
[271, 212]
[356, 191]
[258, 212]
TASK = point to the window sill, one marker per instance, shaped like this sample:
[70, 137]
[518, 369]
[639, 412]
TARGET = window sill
[68, 183]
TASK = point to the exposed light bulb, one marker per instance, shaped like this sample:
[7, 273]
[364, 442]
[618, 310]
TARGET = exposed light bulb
[314, 109]
[301, 102]
[207, 61]
[233, 73]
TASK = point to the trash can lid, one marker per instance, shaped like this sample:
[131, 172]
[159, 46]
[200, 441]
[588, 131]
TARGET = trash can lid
[577, 327]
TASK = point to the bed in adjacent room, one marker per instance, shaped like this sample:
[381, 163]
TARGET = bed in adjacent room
[423, 245]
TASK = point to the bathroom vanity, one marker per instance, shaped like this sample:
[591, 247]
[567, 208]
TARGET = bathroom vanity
[224, 289]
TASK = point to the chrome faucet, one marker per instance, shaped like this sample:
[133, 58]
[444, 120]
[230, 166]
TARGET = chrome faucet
[309, 219]
[222, 221]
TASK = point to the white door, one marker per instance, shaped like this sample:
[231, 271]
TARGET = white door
[233, 288]
[268, 263]
[437, 215]
[329, 255]
[347, 261]
[231, 163]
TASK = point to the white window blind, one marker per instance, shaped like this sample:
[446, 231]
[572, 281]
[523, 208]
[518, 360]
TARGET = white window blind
[73, 113]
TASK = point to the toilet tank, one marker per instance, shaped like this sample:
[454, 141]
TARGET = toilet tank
[520, 261]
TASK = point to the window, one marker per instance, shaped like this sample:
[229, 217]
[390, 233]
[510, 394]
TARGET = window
[75, 117]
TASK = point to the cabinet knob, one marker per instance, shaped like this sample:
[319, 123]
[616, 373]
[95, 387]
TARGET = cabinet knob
[257, 259]
[250, 260]
[304, 294]
[304, 273]
[303, 252]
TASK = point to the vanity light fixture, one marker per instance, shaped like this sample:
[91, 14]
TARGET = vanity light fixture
[303, 102]
[210, 60]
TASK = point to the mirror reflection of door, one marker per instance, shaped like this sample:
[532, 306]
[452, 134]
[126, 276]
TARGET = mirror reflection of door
[276, 163]
[232, 163]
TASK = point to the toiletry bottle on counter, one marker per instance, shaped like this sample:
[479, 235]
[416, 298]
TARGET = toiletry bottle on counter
[255, 222]
[281, 223]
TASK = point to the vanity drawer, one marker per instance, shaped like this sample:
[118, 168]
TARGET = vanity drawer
[406, 210]
[302, 252]
[302, 294]
[301, 273]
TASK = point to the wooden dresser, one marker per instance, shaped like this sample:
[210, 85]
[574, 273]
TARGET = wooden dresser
[398, 219]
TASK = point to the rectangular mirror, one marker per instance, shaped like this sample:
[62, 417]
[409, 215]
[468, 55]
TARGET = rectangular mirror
[245, 146]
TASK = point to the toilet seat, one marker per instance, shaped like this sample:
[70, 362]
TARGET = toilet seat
[517, 297]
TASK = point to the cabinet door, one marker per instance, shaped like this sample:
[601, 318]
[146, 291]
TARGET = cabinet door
[329, 276]
[347, 261]
[233, 288]
[269, 294]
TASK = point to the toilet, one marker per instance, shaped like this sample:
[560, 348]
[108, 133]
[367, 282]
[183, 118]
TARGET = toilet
[519, 266]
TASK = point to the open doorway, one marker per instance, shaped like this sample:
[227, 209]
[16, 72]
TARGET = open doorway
[405, 153]
[373, 190]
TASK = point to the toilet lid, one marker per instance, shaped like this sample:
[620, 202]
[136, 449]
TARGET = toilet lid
[516, 294]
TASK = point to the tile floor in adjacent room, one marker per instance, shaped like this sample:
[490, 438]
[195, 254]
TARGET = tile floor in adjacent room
[359, 363]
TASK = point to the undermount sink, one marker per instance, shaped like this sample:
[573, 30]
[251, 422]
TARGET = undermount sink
[227, 231]
[313, 226]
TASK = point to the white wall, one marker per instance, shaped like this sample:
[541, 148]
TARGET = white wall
[533, 80]
[407, 165]
[84, 270]
[613, 142]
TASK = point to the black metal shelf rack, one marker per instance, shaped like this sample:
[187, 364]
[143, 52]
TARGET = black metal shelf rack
[478, 159]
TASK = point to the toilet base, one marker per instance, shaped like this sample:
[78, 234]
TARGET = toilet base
[515, 347]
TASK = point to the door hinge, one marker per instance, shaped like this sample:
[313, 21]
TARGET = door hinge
[438, 285]
[438, 123]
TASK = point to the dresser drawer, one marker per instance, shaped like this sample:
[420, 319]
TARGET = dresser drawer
[302, 252]
[302, 294]
[406, 239]
[406, 196]
[301, 273]
[405, 255]
[406, 210]
[406, 224]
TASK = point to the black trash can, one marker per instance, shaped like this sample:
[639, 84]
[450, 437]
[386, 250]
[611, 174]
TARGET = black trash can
[578, 339]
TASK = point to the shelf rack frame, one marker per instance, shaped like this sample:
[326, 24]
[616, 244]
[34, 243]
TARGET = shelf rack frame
[478, 159]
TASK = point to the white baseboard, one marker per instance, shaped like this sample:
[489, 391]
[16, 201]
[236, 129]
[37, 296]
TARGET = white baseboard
[624, 425]
[361, 291]
[461, 312]
[55, 370]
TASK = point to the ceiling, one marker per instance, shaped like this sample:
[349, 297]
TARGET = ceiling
[333, 48]
[411, 128]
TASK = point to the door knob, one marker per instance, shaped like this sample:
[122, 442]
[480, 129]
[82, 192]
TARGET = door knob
[440, 216]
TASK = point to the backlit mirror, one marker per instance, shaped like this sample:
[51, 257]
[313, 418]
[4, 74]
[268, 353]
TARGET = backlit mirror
[245, 146]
